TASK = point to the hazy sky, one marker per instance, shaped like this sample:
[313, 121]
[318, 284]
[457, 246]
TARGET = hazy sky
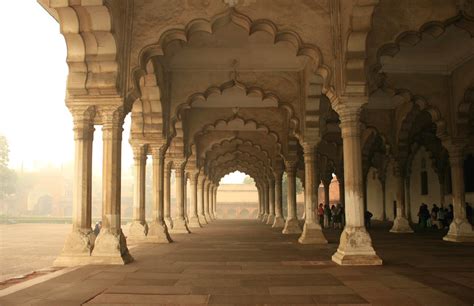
[33, 115]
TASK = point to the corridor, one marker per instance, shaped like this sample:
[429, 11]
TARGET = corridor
[246, 262]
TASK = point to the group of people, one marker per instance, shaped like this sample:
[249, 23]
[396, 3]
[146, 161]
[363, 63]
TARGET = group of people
[439, 217]
[331, 217]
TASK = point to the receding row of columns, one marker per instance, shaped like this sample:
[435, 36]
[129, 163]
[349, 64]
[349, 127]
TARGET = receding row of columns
[202, 204]
[110, 247]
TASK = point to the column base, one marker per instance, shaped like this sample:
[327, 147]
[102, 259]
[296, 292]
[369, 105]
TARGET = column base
[292, 226]
[202, 219]
[460, 231]
[270, 219]
[259, 216]
[77, 249]
[158, 233]
[401, 225]
[279, 222]
[168, 222]
[194, 222]
[213, 216]
[312, 234]
[265, 218]
[110, 248]
[180, 226]
[137, 230]
[355, 248]
[208, 218]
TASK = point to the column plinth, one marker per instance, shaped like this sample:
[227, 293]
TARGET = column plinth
[355, 245]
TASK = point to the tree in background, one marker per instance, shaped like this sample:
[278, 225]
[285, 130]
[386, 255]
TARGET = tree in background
[248, 180]
[7, 176]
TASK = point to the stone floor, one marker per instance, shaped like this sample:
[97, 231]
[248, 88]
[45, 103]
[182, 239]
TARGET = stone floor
[246, 262]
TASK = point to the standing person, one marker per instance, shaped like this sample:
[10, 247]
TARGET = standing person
[469, 213]
[327, 216]
[321, 214]
[367, 216]
[333, 216]
[441, 218]
[450, 214]
[338, 218]
[434, 216]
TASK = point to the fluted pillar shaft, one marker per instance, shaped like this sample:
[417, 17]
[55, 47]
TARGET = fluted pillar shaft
[179, 221]
[79, 243]
[206, 200]
[158, 230]
[279, 219]
[400, 224]
[355, 246]
[111, 242]
[139, 228]
[200, 199]
[271, 201]
[291, 225]
[167, 195]
[312, 232]
[193, 209]
[460, 230]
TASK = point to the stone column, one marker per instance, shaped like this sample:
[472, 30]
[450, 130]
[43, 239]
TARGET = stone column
[215, 200]
[355, 246]
[110, 245]
[193, 211]
[407, 198]
[384, 201]
[265, 202]
[179, 223]
[312, 232]
[271, 201]
[292, 225]
[79, 243]
[167, 195]
[200, 199]
[158, 230]
[279, 220]
[212, 202]
[139, 228]
[327, 184]
[400, 224]
[341, 190]
[261, 205]
[460, 230]
[206, 200]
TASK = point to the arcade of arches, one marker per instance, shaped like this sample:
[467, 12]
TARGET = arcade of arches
[377, 92]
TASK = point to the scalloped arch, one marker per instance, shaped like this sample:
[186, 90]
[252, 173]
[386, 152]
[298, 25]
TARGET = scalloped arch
[412, 38]
[184, 34]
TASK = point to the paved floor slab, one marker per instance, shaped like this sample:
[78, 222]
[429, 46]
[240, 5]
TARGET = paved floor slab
[246, 262]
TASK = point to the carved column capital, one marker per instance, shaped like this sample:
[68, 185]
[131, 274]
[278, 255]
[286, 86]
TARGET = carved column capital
[83, 119]
[139, 153]
[290, 166]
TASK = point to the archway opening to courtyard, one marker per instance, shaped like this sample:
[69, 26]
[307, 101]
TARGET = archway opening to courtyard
[237, 197]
